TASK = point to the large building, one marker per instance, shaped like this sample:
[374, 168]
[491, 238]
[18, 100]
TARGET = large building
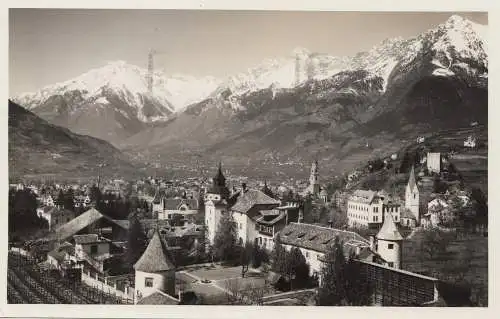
[255, 214]
[315, 242]
[366, 207]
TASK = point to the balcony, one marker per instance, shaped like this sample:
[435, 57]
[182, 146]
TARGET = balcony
[265, 230]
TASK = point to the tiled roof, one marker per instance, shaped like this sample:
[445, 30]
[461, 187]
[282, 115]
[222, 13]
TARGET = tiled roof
[317, 238]
[363, 196]
[158, 298]
[250, 198]
[406, 213]
[156, 257]
[389, 231]
[277, 218]
[76, 224]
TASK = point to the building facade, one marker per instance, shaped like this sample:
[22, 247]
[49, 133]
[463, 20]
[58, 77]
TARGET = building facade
[366, 207]
[434, 162]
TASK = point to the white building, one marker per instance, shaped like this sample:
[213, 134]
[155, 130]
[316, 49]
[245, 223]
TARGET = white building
[315, 242]
[216, 204]
[155, 272]
[366, 207]
[412, 196]
[434, 162]
[389, 243]
[247, 210]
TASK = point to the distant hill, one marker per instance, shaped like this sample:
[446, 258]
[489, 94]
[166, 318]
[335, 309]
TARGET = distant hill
[37, 147]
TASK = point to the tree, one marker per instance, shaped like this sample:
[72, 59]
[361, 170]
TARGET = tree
[69, 199]
[332, 288]
[136, 242]
[60, 200]
[338, 218]
[278, 256]
[225, 239]
[434, 242]
[299, 268]
[245, 257]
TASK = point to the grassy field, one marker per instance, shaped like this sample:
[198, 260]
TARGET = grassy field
[465, 262]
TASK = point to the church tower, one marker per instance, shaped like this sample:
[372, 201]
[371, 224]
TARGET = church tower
[215, 203]
[154, 270]
[390, 243]
[412, 196]
[314, 187]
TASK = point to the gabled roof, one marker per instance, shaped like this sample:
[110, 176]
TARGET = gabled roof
[156, 257]
[158, 298]
[250, 198]
[389, 231]
[363, 196]
[76, 224]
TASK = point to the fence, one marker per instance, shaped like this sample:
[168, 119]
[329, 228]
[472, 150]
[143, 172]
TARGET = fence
[100, 282]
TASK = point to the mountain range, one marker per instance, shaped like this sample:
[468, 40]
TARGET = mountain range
[286, 110]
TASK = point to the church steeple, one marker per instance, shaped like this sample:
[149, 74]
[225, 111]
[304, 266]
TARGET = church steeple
[412, 182]
[219, 184]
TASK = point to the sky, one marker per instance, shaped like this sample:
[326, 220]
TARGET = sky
[47, 46]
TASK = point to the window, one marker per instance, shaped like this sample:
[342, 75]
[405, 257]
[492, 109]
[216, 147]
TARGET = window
[240, 225]
[391, 264]
[390, 246]
[93, 249]
[414, 196]
[148, 282]
[307, 254]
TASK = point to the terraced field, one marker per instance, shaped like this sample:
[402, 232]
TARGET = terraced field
[27, 283]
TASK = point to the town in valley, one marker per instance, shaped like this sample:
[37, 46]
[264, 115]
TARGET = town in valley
[358, 181]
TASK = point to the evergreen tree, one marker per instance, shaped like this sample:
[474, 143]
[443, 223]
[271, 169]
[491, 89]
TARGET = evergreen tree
[69, 200]
[136, 242]
[278, 256]
[225, 239]
[298, 268]
[61, 199]
[332, 289]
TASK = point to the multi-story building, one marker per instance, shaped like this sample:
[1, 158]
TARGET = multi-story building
[366, 207]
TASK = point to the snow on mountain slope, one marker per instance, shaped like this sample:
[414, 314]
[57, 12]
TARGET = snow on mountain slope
[130, 83]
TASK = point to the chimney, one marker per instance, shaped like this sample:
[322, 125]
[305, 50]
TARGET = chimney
[372, 243]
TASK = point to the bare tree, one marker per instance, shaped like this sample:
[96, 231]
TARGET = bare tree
[233, 291]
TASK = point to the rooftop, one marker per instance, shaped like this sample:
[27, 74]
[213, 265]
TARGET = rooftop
[318, 238]
[250, 198]
[156, 257]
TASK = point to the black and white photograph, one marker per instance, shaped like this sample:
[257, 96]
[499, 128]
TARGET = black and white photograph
[247, 158]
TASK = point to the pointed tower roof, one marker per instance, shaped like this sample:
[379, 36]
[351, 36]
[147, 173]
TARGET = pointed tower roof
[266, 190]
[412, 182]
[389, 230]
[219, 179]
[156, 257]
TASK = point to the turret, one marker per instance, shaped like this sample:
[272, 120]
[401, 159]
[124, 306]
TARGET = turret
[390, 242]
